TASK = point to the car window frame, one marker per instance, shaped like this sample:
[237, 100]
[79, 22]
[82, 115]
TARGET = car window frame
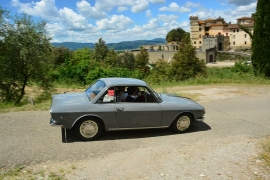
[89, 92]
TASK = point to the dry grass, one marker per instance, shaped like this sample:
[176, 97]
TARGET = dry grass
[41, 102]
[22, 172]
[265, 155]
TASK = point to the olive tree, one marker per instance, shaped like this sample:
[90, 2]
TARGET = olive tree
[25, 56]
[185, 64]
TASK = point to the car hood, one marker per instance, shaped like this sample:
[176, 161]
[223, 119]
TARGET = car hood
[59, 101]
[174, 99]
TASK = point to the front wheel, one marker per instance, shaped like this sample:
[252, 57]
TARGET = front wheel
[182, 123]
[88, 129]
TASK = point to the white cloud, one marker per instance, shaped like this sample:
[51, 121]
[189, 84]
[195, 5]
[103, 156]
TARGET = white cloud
[121, 9]
[190, 4]
[158, 1]
[152, 24]
[167, 18]
[73, 20]
[140, 5]
[175, 8]
[248, 8]
[148, 14]
[107, 5]
[203, 14]
[87, 10]
[241, 2]
[115, 23]
[44, 8]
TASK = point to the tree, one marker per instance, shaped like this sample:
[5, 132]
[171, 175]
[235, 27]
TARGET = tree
[142, 59]
[127, 60]
[60, 54]
[25, 56]
[261, 39]
[176, 35]
[112, 59]
[101, 50]
[185, 64]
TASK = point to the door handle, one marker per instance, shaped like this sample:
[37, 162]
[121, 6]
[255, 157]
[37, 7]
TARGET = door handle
[120, 109]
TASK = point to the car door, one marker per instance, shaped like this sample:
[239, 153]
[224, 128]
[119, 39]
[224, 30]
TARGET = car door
[139, 114]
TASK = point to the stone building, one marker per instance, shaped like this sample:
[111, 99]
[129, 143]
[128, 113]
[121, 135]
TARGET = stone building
[237, 38]
[220, 42]
[171, 46]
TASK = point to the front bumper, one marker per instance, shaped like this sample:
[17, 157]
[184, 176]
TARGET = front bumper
[200, 119]
[54, 123]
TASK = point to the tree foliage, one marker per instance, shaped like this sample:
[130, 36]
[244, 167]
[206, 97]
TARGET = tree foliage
[185, 64]
[112, 59]
[101, 50]
[261, 39]
[25, 56]
[176, 35]
[142, 59]
[127, 60]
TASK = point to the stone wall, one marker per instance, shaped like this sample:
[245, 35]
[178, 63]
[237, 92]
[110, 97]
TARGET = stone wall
[167, 56]
[154, 56]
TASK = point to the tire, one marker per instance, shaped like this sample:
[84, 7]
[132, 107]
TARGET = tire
[88, 129]
[182, 123]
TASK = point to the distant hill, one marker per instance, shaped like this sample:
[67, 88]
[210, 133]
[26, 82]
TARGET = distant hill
[124, 45]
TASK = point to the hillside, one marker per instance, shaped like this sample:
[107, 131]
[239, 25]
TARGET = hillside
[124, 45]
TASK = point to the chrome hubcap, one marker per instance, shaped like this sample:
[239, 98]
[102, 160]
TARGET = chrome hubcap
[183, 123]
[89, 129]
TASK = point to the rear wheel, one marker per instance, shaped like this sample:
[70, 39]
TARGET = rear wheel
[182, 123]
[88, 128]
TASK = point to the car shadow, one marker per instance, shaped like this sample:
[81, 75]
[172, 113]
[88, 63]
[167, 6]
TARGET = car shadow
[68, 136]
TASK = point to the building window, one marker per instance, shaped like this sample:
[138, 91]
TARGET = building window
[194, 42]
[237, 30]
[226, 34]
[245, 42]
[233, 42]
[234, 30]
[200, 42]
[200, 29]
[200, 36]
[233, 36]
[245, 35]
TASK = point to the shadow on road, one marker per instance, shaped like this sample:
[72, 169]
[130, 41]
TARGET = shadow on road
[134, 134]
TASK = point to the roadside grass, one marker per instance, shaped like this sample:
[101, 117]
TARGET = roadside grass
[265, 154]
[22, 172]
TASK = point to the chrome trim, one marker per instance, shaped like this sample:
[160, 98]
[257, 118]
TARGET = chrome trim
[200, 119]
[119, 129]
[54, 123]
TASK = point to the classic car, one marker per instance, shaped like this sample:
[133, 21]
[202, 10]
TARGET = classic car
[112, 104]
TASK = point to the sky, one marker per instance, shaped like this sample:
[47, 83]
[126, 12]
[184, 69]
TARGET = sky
[124, 20]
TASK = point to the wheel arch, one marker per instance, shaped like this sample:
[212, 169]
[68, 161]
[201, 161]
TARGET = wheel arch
[181, 113]
[86, 116]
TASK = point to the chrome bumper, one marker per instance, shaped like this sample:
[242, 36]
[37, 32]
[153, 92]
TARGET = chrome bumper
[200, 119]
[54, 123]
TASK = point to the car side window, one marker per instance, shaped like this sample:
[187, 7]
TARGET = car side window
[108, 96]
[139, 94]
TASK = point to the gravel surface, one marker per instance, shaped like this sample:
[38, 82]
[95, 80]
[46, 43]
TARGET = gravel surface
[225, 146]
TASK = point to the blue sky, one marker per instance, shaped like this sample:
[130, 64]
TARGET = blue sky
[124, 20]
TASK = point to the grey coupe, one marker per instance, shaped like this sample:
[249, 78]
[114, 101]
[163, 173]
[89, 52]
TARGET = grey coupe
[113, 104]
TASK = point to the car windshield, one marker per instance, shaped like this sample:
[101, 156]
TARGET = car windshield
[94, 89]
[157, 95]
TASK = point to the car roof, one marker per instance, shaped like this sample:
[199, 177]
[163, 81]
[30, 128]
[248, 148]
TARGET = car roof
[118, 81]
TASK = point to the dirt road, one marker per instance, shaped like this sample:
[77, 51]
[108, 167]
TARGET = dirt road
[225, 146]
